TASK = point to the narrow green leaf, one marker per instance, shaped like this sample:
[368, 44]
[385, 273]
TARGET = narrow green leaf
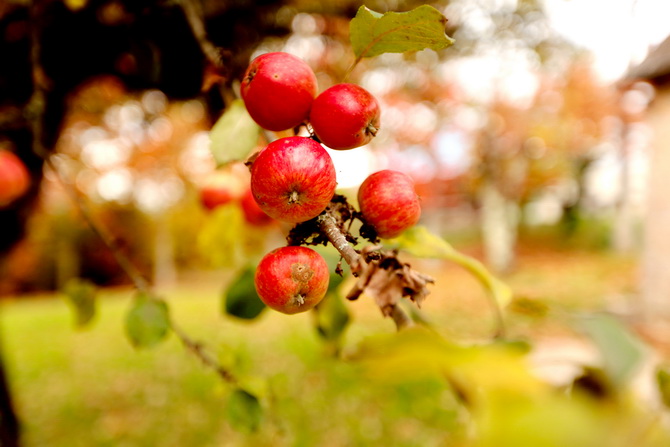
[80, 294]
[420, 242]
[240, 299]
[244, 411]
[621, 351]
[147, 322]
[234, 135]
[372, 33]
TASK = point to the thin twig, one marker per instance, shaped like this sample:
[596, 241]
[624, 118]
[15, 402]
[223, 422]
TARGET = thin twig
[351, 68]
[35, 113]
[194, 17]
[199, 351]
[401, 319]
[110, 242]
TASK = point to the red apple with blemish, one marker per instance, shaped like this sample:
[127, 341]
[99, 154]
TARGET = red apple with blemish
[293, 179]
[345, 116]
[292, 279]
[253, 214]
[389, 203]
[278, 90]
[14, 177]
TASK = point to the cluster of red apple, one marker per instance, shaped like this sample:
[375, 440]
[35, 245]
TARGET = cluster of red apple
[293, 179]
[14, 178]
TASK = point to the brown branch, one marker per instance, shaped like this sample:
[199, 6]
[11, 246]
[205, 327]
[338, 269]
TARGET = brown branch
[329, 227]
[194, 16]
[34, 112]
[401, 318]
[11, 118]
[380, 273]
[199, 351]
[136, 276]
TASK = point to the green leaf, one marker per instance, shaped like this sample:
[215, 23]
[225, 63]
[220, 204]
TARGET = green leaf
[372, 33]
[663, 381]
[234, 135]
[332, 317]
[244, 411]
[241, 299]
[419, 353]
[80, 294]
[420, 242]
[147, 322]
[621, 351]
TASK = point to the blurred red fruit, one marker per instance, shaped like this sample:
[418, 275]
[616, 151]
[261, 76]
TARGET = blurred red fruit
[253, 214]
[14, 177]
[220, 188]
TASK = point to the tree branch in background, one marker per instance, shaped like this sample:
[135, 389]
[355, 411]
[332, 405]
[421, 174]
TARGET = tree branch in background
[195, 18]
[137, 278]
[35, 113]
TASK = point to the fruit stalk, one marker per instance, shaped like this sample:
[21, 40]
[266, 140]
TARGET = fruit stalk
[329, 227]
[373, 278]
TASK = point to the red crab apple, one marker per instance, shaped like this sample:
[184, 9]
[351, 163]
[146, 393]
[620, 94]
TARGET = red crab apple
[345, 116]
[220, 188]
[389, 203]
[293, 179]
[253, 214]
[292, 279]
[14, 177]
[278, 90]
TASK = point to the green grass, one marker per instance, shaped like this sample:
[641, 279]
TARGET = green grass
[91, 388]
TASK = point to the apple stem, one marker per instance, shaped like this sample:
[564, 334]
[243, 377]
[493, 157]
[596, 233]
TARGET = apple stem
[360, 267]
[371, 129]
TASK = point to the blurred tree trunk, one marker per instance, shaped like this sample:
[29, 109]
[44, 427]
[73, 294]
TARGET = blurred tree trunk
[499, 224]
[165, 269]
[9, 424]
[623, 235]
[655, 286]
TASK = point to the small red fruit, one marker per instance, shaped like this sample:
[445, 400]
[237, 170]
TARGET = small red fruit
[293, 179]
[292, 279]
[14, 177]
[345, 116]
[253, 214]
[278, 90]
[389, 203]
[220, 188]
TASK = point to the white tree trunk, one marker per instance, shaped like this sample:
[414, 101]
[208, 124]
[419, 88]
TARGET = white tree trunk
[655, 278]
[623, 234]
[499, 224]
[165, 270]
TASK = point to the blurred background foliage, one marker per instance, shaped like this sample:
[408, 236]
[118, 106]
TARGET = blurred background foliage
[523, 157]
[510, 129]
